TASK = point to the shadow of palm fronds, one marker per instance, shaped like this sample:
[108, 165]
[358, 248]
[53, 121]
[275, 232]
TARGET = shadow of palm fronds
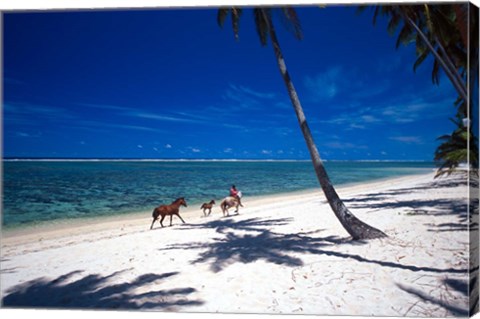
[94, 292]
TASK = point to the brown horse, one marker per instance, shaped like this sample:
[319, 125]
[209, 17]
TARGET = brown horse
[172, 209]
[208, 206]
[229, 202]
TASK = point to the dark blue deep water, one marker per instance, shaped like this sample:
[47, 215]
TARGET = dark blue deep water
[46, 191]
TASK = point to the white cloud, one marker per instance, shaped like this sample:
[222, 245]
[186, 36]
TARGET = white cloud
[168, 146]
[140, 146]
[97, 124]
[405, 110]
[240, 89]
[345, 145]
[266, 152]
[369, 119]
[243, 98]
[261, 95]
[357, 126]
[22, 134]
[28, 135]
[108, 107]
[160, 117]
[228, 150]
[324, 86]
[134, 112]
[283, 105]
[32, 114]
[407, 139]
[354, 120]
[410, 109]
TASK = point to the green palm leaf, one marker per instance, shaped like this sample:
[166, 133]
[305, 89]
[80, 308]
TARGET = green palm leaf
[235, 14]
[292, 22]
[261, 24]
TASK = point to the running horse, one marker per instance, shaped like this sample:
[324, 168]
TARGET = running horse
[229, 202]
[208, 206]
[172, 209]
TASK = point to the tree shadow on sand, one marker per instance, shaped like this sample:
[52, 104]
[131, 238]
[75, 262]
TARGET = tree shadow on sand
[457, 287]
[93, 292]
[457, 208]
[255, 242]
[260, 243]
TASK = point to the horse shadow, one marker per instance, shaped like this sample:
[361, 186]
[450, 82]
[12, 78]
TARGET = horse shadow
[94, 292]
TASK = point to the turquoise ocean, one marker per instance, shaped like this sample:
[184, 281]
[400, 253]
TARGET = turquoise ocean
[41, 191]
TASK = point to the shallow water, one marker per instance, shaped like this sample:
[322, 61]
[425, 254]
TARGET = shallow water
[46, 191]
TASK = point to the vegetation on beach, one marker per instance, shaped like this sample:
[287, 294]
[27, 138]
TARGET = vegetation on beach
[449, 33]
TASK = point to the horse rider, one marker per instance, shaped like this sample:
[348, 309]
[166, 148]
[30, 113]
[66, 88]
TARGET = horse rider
[234, 192]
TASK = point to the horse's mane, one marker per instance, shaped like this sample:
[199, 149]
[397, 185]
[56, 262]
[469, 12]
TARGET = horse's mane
[178, 199]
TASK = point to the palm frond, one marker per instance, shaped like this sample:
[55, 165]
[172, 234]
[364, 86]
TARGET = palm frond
[405, 37]
[428, 19]
[236, 14]
[362, 8]
[381, 10]
[292, 21]
[375, 15]
[222, 14]
[261, 24]
[420, 59]
[393, 24]
[436, 72]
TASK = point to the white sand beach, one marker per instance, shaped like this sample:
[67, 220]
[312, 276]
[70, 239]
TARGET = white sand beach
[282, 254]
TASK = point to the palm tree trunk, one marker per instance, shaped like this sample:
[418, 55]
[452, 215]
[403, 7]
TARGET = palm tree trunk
[452, 74]
[451, 65]
[355, 227]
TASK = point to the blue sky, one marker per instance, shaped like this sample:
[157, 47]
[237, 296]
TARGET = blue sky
[173, 84]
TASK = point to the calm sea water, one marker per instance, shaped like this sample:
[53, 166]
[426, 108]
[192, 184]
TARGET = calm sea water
[47, 191]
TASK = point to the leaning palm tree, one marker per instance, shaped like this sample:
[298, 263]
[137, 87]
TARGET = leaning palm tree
[442, 30]
[265, 29]
[435, 30]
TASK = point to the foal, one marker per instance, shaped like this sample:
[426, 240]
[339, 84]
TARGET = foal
[208, 206]
[172, 209]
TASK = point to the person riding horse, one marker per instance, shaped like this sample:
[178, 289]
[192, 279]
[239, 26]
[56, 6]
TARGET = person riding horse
[236, 194]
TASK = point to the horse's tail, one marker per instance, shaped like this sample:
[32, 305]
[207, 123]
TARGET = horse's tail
[203, 205]
[223, 205]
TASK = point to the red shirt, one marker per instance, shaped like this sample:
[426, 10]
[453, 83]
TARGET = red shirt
[233, 192]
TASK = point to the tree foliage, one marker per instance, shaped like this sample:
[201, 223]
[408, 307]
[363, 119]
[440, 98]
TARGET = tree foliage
[449, 33]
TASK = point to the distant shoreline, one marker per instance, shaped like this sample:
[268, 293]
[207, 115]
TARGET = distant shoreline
[48, 228]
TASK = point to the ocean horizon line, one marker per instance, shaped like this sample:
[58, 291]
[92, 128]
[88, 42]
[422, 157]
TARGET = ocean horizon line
[92, 159]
